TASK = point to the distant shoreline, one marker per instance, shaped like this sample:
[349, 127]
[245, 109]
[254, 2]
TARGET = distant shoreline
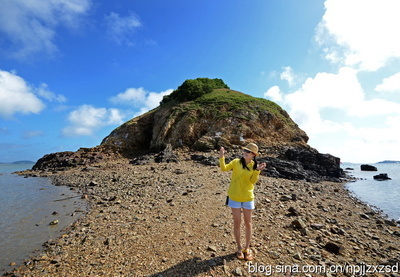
[18, 162]
[388, 162]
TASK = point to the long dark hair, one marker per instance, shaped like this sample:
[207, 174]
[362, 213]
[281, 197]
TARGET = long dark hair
[243, 162]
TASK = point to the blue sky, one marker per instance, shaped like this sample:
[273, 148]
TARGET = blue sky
[73, 70]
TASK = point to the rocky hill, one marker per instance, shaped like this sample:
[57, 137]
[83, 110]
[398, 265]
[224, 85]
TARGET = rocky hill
[222, 117]
[203, 115]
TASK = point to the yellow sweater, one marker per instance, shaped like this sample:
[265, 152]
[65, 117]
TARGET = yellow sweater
[242, 181]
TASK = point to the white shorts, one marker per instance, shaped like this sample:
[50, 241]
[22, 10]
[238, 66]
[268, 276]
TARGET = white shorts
[249, 205]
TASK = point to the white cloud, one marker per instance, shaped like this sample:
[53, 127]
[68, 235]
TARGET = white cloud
[32, 133]
[131, 96]
[390, 84]
[139, 97]
[86, 120]
[43, 92]
[374, 107]
[340, 91]
[121, 28]
[16, 96]
[153, 98]
[360, 33]
[326, 107]
[288, 75]
[29, 27]
[274, 93]
[363, 144]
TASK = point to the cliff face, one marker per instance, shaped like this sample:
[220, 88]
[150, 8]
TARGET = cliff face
[222, 117]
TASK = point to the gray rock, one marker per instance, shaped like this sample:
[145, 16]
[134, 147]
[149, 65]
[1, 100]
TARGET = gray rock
[238, 272]
[299, 224]
[364, 216]
[274, 255]
[382, 177]
[333, 247]
[293, 211]
[317, 226]
[337, 230]
[367, 167]
[297, 256]
[285, 198]
[390, 222]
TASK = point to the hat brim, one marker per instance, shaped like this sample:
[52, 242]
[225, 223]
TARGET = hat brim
[250, 151]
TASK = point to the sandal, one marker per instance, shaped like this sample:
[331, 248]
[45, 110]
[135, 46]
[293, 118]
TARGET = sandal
[248, 255]
[240, 255]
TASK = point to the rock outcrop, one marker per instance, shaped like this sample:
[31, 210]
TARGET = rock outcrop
[367, 167]
[203, 115]
[292, 162]
[221, 118]
[304, 163]
[382, 177]
[68, 159]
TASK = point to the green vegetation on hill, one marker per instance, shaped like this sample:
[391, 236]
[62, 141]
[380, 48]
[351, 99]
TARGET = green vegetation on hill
[194, 88]
[217, 97]
[236, 101]
[224, 103]
[212, 97]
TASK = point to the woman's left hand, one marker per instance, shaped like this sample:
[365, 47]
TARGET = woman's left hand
[261, 166]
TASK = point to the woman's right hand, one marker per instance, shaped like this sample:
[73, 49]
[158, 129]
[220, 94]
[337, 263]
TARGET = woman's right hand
[221, 152]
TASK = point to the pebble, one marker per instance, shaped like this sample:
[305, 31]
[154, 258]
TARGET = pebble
[299, 223]
[285, 198]
[237, 271]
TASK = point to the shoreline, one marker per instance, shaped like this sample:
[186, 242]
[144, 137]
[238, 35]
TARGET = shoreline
[371, 191]
[34, 211]
[169, 219]
[380, 212]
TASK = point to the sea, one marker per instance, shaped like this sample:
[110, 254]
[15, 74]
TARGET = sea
[28, 206]
[380, 195]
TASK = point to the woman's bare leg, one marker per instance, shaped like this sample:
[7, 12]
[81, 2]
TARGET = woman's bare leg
[237, 218]
[249, 226]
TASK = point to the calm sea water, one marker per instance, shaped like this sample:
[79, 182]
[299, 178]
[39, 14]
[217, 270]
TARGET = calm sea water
[27, 207]
[384, 195]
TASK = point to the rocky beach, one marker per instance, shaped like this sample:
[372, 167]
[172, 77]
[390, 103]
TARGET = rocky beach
[157, 198]
[168, 218]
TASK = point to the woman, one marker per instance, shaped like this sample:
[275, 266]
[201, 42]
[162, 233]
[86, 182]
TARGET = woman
[245, 173]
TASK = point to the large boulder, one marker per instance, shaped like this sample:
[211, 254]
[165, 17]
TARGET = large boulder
[367, 167]
[382, 177]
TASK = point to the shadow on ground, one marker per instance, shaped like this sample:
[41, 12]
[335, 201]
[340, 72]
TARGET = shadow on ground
[194, 266]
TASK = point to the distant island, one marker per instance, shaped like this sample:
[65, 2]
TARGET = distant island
[388, 162]
[19, 162]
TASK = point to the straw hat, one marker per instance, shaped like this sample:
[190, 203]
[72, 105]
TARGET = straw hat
[252, 147]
